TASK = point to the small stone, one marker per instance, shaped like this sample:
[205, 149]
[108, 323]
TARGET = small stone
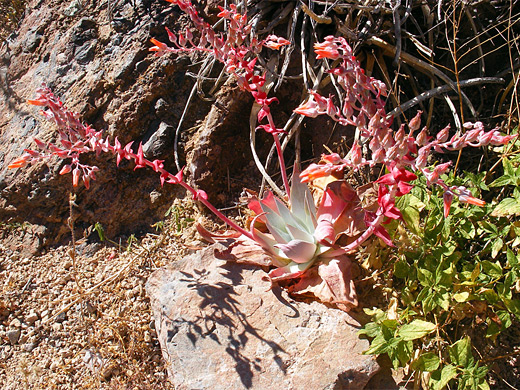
[61, 317]
[161, 107]
[23, 339]
[31, 318]
[16, 323]
[57, 326]
[13, 336]
[29, 347]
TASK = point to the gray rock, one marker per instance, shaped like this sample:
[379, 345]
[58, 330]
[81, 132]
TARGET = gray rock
[13, 336]
[220, 326]
[159, 140]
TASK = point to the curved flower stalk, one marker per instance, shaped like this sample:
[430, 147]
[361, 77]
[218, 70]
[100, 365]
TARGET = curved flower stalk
[75, 139]
[401, 152]
[236, 51]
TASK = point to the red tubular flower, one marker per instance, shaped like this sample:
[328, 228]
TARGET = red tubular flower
[20, 162]
[448, 198]
[326, 49]
[159, 47]
[309, 108]
[315, 171]
[399, 176]
[274, 42]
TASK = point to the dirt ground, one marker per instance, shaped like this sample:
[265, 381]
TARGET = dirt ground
[84, 322]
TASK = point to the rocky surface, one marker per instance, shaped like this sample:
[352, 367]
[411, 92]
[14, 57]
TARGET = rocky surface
[220, 326]
[94, 56]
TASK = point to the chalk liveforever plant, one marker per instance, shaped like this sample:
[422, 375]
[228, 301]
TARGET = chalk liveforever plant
[309, 244]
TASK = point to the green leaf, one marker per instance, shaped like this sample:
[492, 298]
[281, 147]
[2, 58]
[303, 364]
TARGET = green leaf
[404, 352]
[426, 362]
[377, 346]
[412, 218]
[370, 329]
[512, 259]
[416, 330]
[513, 305]
[461, 297]
[440, 378]
[496, 247]
[425, 277]
[460, 353]
[100, 231]
[401, 269]
[502, 181]
[430, 302]
[509, 170]
[467, 229]
[490, 295]
[492, 269]
[507, 207]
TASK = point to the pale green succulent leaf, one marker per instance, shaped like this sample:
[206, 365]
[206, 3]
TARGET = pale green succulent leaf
[289, 217]
[276, 225]
[298, 251]
[299, 234]
[269, 245]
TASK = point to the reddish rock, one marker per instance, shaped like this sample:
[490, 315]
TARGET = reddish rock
[221, 327]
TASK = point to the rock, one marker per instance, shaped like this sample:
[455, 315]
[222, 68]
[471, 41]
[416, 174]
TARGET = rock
[158, 141]
[220, 326]
[13, 335]
[29, 347]
[31, 318]
[16, 323]
[71, 47]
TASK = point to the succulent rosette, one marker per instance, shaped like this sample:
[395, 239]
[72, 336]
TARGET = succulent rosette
[303, 240]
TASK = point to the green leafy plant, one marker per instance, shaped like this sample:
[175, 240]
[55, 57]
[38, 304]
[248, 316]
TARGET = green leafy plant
[457, 283]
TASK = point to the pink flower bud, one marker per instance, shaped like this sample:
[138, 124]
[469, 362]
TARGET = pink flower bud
[388, 140]
[442, 168]
[171, 36]
[40, 144]
[379, 156]
[309, 108]
[332, 158]
[66, 169]
[355, 154]
[400, 135]
[442, 136]
[75, 176]
[415, 123]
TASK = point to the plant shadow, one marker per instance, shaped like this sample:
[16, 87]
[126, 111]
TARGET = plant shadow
[223, 320]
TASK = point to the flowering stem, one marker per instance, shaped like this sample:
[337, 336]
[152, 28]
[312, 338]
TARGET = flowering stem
[282, 164]
[360, 240]
[198, 195]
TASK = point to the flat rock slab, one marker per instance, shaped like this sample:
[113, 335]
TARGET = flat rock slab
[221, 327]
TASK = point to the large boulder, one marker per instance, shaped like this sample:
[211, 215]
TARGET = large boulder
[221, 326]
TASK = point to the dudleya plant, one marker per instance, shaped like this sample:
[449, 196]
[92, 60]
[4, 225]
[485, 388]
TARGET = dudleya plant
[308, 244]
